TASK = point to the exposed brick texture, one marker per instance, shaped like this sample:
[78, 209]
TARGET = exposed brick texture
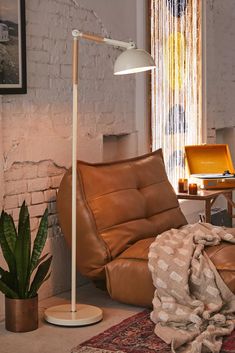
[37, 197]
[36, 127]
[40, 188]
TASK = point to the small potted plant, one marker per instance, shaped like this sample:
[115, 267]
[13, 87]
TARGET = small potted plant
[27, 269]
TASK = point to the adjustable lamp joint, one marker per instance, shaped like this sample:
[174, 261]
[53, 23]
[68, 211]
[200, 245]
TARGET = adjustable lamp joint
[116, 43]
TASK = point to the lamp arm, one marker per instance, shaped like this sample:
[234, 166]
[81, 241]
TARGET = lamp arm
[116, 43]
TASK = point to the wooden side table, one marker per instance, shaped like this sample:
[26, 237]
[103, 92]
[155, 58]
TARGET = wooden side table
[209, 197]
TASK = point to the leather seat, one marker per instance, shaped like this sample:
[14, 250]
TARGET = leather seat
[223, 257]
[129, 274]
[121, 207]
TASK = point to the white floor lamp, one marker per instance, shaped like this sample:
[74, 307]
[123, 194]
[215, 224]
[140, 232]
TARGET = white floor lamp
[132, 60]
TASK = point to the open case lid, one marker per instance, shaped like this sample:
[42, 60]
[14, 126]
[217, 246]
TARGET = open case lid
[203, 159]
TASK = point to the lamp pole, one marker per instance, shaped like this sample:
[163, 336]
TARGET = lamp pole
[74, 173]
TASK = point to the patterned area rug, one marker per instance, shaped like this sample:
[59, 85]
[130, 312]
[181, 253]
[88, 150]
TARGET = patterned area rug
[135, 335]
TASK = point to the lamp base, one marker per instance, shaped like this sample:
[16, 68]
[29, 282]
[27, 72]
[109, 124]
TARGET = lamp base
[63, 316]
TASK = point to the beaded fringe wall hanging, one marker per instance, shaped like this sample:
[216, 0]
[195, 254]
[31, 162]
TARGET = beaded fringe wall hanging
[176, 83]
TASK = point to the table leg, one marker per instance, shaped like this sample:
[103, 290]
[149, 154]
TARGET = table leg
[230, 203]
[229, 206]
[208, 211]
[208, 204]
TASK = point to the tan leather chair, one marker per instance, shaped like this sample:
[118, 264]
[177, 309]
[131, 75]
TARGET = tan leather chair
[121, 207]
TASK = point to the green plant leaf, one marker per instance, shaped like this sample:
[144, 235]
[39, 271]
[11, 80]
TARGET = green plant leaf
[9, 231]
[47, 277]
[39, 241]
[40, 276]
[16, 250]
[9, 279]
[7, 291]
[22, 251]
[24, 222]
[6, 250]
[42, 258]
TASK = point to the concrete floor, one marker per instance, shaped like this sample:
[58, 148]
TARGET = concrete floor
[55, 339]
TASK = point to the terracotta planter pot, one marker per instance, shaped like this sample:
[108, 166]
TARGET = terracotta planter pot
[21, 315]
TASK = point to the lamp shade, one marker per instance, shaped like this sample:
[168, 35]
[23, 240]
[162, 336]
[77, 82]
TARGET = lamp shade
[132, 61]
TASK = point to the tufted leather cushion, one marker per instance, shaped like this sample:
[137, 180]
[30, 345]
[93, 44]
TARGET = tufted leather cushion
[121, 207]
[118, 204]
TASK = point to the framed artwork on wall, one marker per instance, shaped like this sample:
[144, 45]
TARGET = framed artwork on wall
[12, 47]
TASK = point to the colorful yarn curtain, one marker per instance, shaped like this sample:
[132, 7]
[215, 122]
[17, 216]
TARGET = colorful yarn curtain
[176, 83]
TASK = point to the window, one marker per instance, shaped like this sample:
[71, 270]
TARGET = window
[176, 82]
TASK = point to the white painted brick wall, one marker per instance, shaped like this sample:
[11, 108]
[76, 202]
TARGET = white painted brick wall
[34, 223]
[24, 197]
[38, 184]
[15, 187]
[45, 113]
[40, 191]
[36, 210]
[37, 197]
[36, 127]
[11, 202]
[220, 66]
[50, 195]
[55, 181]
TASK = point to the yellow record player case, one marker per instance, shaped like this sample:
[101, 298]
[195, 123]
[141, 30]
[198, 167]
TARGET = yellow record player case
[211, 165]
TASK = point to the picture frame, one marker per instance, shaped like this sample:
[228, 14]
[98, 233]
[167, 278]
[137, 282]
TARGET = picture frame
[13, 79]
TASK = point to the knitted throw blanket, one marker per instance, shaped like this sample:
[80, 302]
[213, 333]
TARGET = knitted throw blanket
[192, 306]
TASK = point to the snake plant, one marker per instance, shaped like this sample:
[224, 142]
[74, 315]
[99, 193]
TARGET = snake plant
[27, 269]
